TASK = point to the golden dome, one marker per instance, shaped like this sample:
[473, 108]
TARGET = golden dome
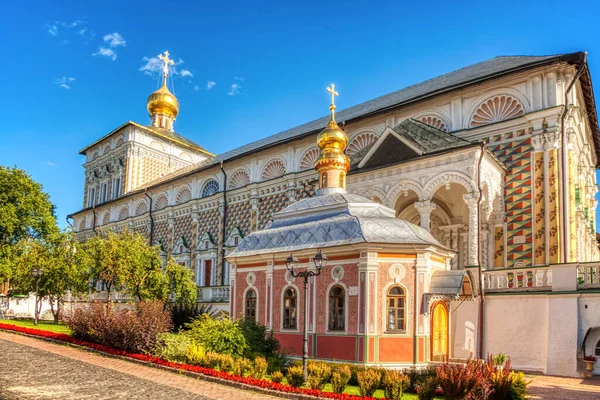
[332, 138]
[163, 102]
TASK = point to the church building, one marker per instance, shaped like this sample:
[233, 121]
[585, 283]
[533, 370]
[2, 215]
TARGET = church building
[457, 214]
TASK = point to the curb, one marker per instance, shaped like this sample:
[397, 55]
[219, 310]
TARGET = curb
[212, 379]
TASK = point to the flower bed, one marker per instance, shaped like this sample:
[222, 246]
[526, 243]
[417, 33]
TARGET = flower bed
[258, 383]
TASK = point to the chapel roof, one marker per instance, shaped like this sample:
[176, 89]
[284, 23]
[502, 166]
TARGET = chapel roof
[332, 220]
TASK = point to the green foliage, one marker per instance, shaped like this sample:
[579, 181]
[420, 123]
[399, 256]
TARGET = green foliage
[499, 359]
[394, 384]
[339, 378]
[418, 376]
[318, 375]
[210, 360]
[242, 366]
[185, 313]
[182, 287]
[260, 367]
[368, 381]
[277, 377]
[25, 213]
[259, 341]
[427, 386]
[225, 362]
[295, 376]
[221, 335]
[518, 386]
[507, 384]
[173, 347]
[195, 354]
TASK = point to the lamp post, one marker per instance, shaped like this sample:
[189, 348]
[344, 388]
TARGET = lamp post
[320, 260]
[37, 274]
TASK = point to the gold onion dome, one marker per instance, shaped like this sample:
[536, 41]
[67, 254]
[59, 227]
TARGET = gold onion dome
[163, 102]
[332, 142]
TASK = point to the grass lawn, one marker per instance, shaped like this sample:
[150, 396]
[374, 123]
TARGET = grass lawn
[42, 325]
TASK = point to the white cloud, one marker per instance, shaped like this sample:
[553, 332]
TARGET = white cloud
[235, 90]
[106, 52]
[114, 40]
[196, 88]
[210, 84]
[239, 78]
[64, 81]
[185, 72]
[79, 27]
[50, 163]
[153, 66]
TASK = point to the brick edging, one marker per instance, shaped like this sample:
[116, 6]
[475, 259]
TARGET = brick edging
[197, 375]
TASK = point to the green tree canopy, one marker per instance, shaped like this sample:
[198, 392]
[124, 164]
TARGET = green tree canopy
[25, 212]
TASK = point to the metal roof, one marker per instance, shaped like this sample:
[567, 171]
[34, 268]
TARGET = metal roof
[332, 220]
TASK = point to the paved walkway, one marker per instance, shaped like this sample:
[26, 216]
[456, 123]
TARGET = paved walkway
[36, 369]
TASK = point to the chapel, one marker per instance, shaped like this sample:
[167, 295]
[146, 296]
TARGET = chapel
[456, 214]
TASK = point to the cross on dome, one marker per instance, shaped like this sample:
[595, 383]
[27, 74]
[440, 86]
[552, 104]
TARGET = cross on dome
[166, 62]
[331, 89]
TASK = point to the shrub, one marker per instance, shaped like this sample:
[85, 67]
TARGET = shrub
[183, 314]
[210, 360]
[394, 384]
[257, 339]
[225, 362]
[260, 368]
[277, 377]
[459, 381]
[221, 335]
[427, 386]
[195, 354]
[318, 375]
[518, 386]
[241, 366]
[339, 378]
[368, 381]
[172, 347]
[134, 330]
[507, 384]
[418, 376]
[295, 376]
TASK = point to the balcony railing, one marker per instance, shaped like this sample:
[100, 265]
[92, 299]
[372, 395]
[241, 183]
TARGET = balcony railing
[588, 276]
[213, 294]
[518, 279]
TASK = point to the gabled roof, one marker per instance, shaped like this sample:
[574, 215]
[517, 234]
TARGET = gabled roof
[163, 133]
[408, 140]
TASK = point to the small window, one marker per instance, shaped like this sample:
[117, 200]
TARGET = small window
[289, 309]
[324, 179]
[250, 306]
[206, 244]
[337, 300]
[396, 301]
[210, 188]
[236, 240]
[597, 349]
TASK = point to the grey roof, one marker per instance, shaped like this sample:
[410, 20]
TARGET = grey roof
[332, 220]
[447, 282]
[427, 138]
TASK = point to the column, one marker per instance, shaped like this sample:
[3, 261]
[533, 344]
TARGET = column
[425, 208]
[454, 241]
[291, 192]
[472, 251]
[484, 236]
[553, 215]
[254, 211]
[499, 240]
[539, 201]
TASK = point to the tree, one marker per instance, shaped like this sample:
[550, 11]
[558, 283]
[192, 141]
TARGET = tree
[125, 262]
[25, 212]
[58, 257]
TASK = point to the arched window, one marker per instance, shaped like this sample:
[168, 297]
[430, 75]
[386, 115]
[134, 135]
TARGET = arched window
[210, 188]
[250, 306]
[396, 304]
[337, 301]
[289, 309]
[597, 349]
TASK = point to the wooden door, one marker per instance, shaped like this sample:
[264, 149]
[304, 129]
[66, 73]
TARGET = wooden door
[439, 332]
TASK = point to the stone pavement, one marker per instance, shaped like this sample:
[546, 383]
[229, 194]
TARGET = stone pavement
[36, 369]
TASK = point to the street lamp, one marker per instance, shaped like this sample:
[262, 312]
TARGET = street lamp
[37, 274]
[320, 260]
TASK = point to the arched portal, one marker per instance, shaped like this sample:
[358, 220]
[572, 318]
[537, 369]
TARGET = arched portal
[439, 331]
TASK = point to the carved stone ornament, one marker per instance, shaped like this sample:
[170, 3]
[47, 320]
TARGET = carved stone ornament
[397, 272]
[337, 273]
[250, 278]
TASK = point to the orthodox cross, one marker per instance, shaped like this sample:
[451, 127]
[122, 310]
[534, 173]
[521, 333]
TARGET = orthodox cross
[166, 61]
[331, 90]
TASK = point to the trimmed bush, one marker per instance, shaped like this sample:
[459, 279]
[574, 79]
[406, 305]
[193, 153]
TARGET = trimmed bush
[368, 381]
[295, 376]
[339, 379]
[418, 376]
[507, 384]
[210, 360]
[225, 362]
[461, 381]
[131, 330]
[260, 368]
[427, 386]
[394, 384]
[318, 375]
[195, 354]
[241, 366]
[173, 347]
[277, 377]
[221, 335]
[258, 340]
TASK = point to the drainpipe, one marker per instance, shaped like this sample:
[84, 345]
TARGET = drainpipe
[68, 222]
[479, 261]
[94, 220]
[151, 220]
[223, 227]
[563, 157]
[415, 340]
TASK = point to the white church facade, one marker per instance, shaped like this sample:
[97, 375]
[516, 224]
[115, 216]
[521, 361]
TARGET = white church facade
[496, 161]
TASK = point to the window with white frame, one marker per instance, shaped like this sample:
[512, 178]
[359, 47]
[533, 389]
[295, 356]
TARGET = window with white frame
[396, 300]
[103, 192]
[116, 189]
[290, 301]
[337, 303]
[250, 304]
[91, 197]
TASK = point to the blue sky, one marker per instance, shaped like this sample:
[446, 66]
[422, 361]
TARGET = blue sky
[74, 71]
